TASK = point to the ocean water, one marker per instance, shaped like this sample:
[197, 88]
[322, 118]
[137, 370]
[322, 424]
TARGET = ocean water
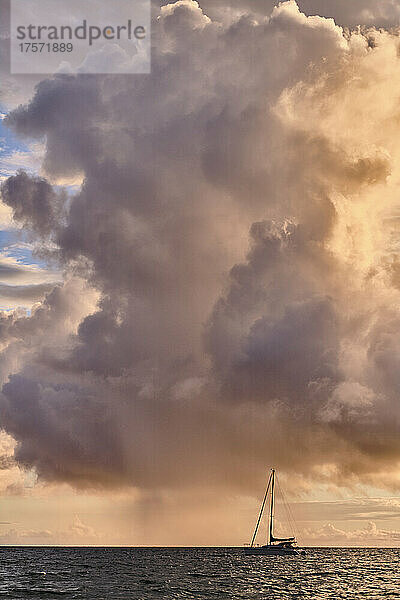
[197, 573]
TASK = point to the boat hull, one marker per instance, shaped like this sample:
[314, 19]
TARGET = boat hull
[271, 551]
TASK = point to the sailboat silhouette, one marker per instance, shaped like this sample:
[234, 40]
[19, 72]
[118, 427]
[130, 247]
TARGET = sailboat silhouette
[275, 546]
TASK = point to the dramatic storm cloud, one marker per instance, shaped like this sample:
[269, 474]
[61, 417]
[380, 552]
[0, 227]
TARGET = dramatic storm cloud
[231, 275]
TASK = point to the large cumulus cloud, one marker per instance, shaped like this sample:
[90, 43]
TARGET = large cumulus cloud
[235, 230]
[383, 13]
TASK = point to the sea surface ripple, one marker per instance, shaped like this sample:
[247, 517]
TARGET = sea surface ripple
[197, 573]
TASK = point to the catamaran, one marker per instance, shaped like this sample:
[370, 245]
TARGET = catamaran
[275, 546]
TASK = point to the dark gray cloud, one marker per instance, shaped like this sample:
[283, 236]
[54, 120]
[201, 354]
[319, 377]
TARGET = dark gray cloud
[35, 412]
[281, 357]
[190, 358]
[33, 201]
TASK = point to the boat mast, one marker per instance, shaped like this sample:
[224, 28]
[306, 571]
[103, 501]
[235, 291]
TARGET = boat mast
[261, 511]
[271, 513]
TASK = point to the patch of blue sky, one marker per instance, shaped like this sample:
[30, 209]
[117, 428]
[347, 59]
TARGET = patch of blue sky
[9, 142]
[15, 244]
[22, 253]
[16, 153]
[7, 238]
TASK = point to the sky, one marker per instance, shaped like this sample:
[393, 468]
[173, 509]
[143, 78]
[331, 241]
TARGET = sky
[200, 280]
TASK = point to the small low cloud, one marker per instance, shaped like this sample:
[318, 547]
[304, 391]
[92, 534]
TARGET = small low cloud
[369, 535]
[76, 533]
[12, 296]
